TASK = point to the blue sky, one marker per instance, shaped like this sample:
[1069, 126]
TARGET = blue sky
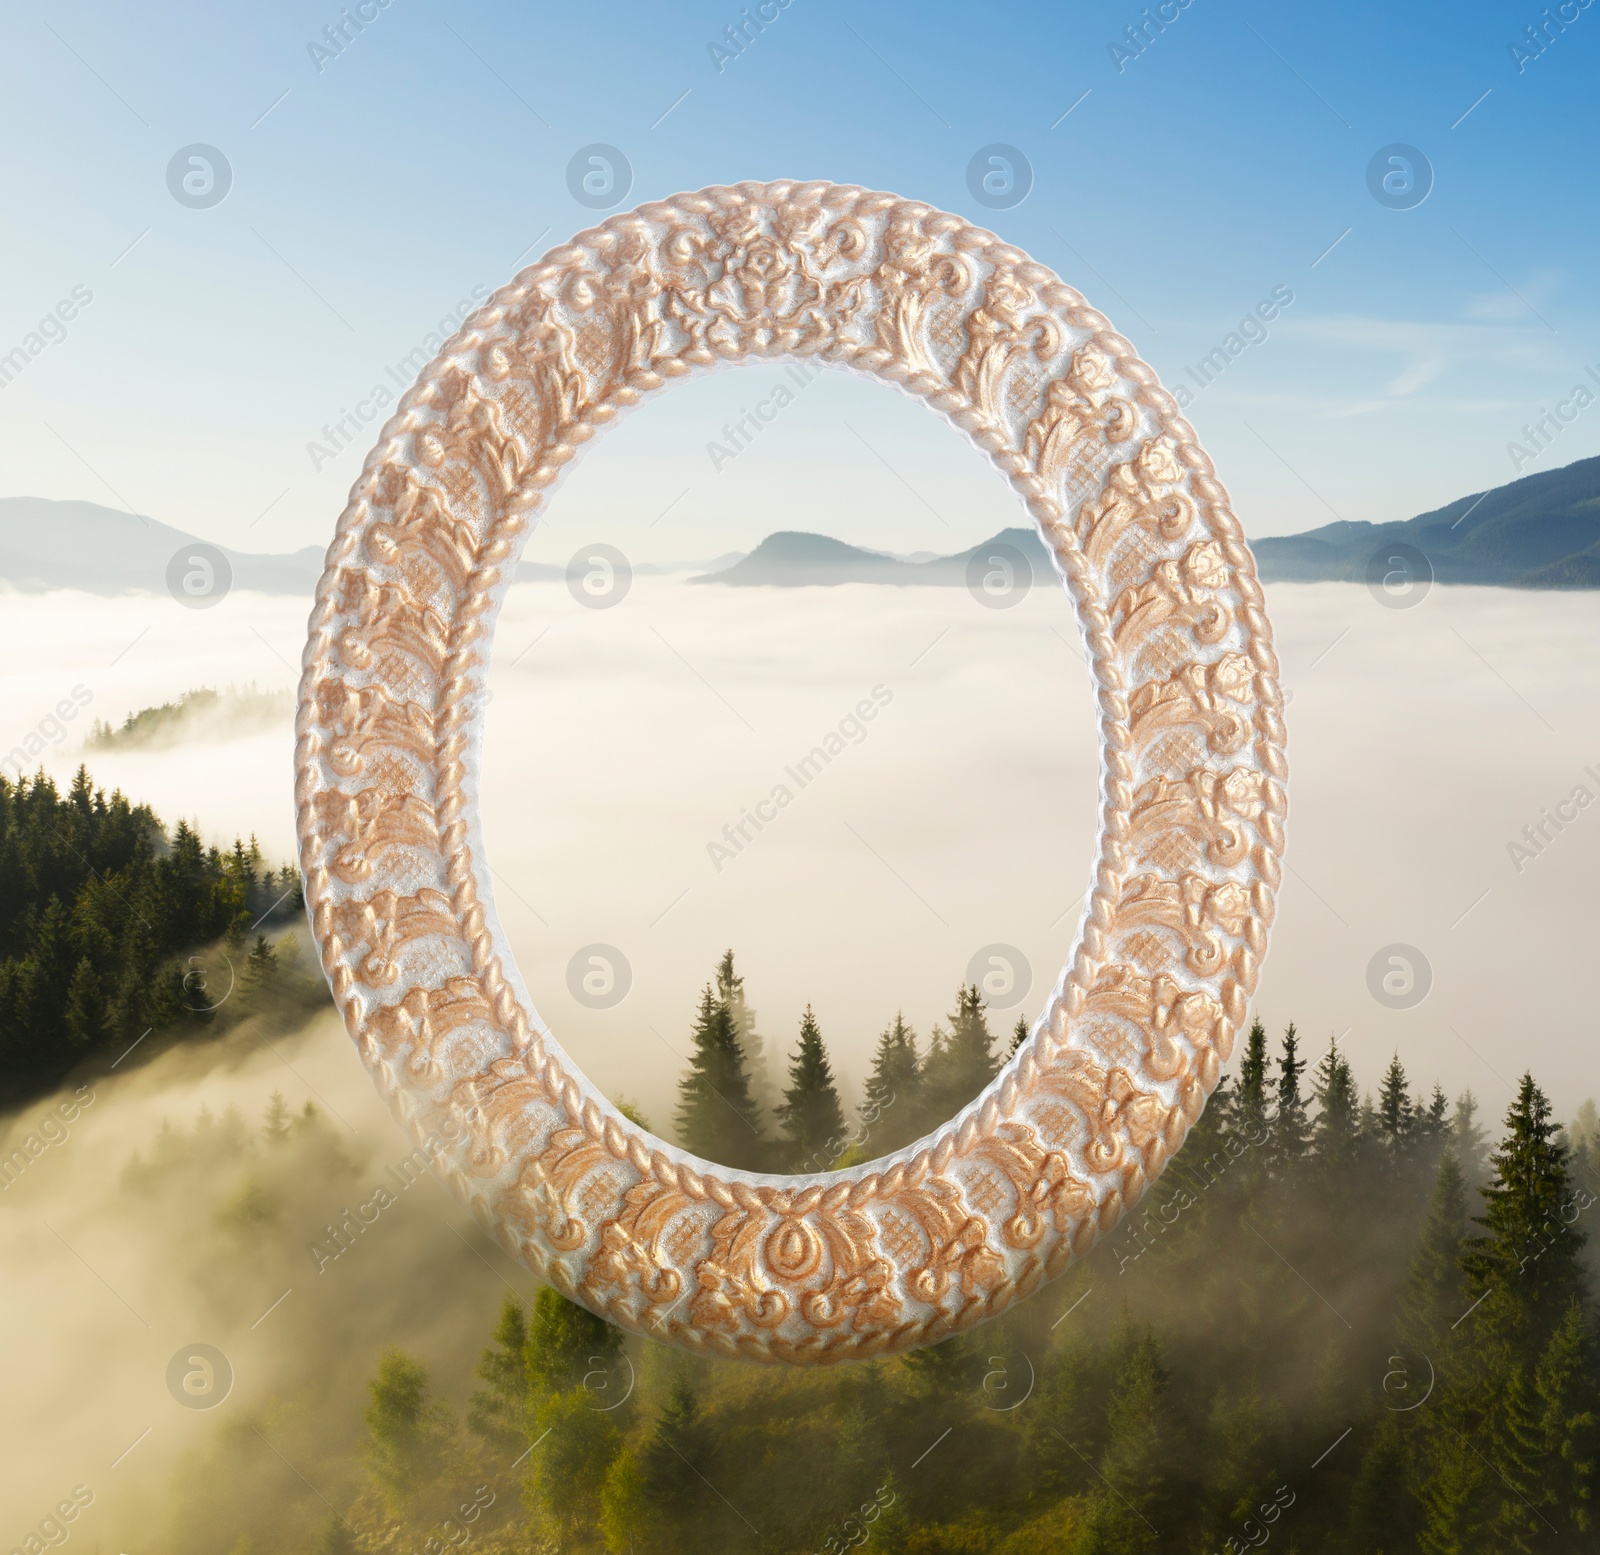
[1227, 159]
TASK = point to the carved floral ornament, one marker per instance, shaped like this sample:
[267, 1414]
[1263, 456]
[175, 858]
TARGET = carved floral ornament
[947, 1232]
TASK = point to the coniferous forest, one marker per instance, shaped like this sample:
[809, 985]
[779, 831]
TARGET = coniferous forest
[110, 930]
[1347, 1318]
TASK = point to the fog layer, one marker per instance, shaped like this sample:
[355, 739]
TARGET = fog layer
[621, 742]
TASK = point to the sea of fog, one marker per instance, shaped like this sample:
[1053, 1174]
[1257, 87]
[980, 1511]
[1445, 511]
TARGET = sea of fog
[621, 743]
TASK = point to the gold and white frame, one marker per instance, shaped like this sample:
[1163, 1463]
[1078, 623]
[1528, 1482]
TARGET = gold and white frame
[951, 1230]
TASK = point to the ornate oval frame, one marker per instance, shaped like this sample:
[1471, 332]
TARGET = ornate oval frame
[949, 1231]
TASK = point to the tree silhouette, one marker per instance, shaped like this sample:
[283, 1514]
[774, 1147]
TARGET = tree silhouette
[409, 1436]
[1434, 1298]
[890, 1532]
[891, 1102]
[1133, 1467]
[1397, 1119]
[499, 1410]
[260, 974]
[757, 1061]
[1334, 1134]
[566, 1479]
[1523, 1379]
[677, 1454]
[960, 1061]
[1250, 1095]
[1382, 1515]
[716, 1116]
[1471, 1143]
[810, 1114]
[1565, 1434]
[1291, 1132]
[1156, 1423]
[275, 1126]
[1528, 1265]
[85, 1014]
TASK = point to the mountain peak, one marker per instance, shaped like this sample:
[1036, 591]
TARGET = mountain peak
[1538, 531]
[46, 544]
[794, 558]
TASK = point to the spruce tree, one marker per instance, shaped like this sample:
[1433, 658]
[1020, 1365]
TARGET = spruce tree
[47, 970]
[499, 1410]
[959, 1062]
[1523, 1278]
[80, 797]
[758, 1062]
[1243, 1112]
[1019, 1034]
[1469, 1139]
[1528, 1264]
[1290, 1130]
[1434, 1301]
[1248, 1433]
[409, 1436]
[716, 1116]
[565, 1480]
[890, 1532]
[1585, 1165]
[677, 1454]
[1567, 1425]
[1206, 1155]
[275, 1125]
[1367, 1130]
[624, 1504]
[1583, 1138]
[1430, 1133]
[1134, 1464]
[1434, 1123]
[1383, 1514]
[890, 1107]
[1396, 1115]
[1250, 1100]
[810, 1114]
[565, 1342]
[260, 975]
[1583, 1133]
[1334, 1135]
[1451, 1479]
[1512, 1433]
[86, 1008]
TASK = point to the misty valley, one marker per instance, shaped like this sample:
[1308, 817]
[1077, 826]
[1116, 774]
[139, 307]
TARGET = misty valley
[1353, 1314]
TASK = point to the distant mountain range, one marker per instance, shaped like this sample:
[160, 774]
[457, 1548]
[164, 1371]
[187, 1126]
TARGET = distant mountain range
[1540, 532]
[794, 559]
[80, 545]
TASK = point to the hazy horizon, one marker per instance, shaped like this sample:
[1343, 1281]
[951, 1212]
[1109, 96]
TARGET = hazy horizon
[1422, 742]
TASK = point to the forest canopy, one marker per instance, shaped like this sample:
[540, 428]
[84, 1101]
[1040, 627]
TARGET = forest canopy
[101, 914]
[1355, 1325]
